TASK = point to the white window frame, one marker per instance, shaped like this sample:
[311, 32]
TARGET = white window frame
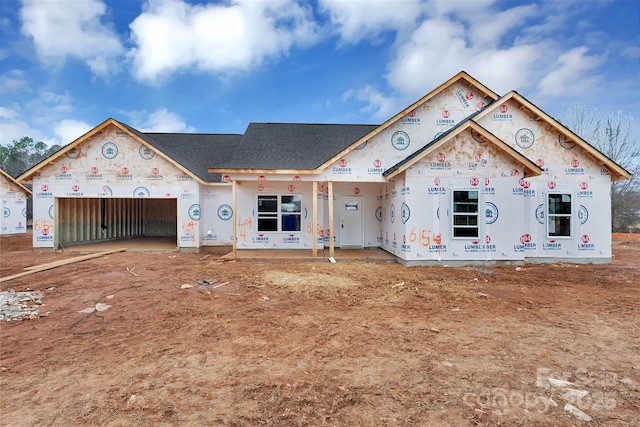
[279, 214]
[553, 216]
[475, 214]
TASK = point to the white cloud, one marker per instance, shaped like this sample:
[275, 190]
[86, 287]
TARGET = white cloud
[379, 105]
[13, 81]
[13, 127]
[43, 118]
[572, 75]
[489, 30]
[497, 46]
[435, 52]
[466, 36]
[503, 70]
[68, 130]
[172, 35]
[62, 29]
[357, 20]
[465, 10]
[631, 52]
[160, 120]
[8, 114]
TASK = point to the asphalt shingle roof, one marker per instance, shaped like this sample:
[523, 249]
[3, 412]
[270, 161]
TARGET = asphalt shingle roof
[263, 146]
[293, 145]
[197, 152]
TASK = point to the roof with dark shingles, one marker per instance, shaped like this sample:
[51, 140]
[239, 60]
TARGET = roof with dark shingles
[197, 152]
[263, 146]
[293, 145]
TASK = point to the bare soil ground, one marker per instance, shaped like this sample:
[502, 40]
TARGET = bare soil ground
[315, 343]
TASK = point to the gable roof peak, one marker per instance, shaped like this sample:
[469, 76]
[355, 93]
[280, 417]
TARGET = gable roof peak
[617, 171]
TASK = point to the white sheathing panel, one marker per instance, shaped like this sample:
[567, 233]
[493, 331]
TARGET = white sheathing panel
[370, 204]
[216, 221]
[567, 169]
[407, 135]
[419, 203]
[248, 235]
[110, 164]
[393, 229]
[13, 200]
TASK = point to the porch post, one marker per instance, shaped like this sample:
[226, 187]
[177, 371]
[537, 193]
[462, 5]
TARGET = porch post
[331, 231]
[234, 218]
[56, 227]
[314, 227]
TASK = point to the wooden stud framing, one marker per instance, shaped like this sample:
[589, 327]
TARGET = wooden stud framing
[331, 231]
[314, 227]
[234, 205]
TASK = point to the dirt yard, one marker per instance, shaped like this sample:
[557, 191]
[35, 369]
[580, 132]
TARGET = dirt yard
[315, 343]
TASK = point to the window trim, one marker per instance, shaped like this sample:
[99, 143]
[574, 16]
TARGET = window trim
[559, 215]
[278, 214]
[454, 214]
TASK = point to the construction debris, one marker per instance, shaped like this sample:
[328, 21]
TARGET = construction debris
[16, 306]
[204, 285]
[206, 282]
[50, 265]
[98, 307]
[577, 412]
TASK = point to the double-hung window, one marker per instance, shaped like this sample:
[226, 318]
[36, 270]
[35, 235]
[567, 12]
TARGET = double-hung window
[279, 213]
[558, 215]
[465, 214]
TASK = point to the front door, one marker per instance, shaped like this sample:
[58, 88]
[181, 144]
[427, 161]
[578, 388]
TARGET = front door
[351, 222]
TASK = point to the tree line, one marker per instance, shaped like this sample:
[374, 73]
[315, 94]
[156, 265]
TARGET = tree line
[611, 133]
[22, 154]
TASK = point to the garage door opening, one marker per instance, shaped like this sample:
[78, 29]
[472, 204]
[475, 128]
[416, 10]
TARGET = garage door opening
[81, 221]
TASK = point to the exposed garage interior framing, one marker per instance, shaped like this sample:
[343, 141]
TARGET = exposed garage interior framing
[93, 220]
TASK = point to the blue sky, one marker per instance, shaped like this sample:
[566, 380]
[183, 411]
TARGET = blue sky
[213, 67]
